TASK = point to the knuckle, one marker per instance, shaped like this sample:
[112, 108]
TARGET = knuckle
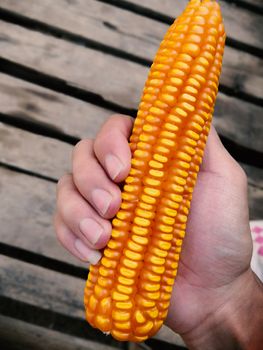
[69, 210]
[80, 146]
[63, 181]
[80, 178]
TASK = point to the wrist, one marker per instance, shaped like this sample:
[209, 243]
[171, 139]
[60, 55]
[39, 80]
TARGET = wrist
[237, 323]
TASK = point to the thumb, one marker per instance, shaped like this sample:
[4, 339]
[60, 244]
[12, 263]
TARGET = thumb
[216, 158]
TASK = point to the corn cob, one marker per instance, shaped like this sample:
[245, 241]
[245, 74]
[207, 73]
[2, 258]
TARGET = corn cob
[128, 292]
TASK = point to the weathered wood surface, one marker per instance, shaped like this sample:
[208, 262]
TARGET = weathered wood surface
[33, 208]
[91, 70]
[50, 109]
[16, 149]
[50, 290]
[40, 287]
[31, 337]
[132, 33]
[83, 120]
[242, 25]
[39, 154]
[27, 207]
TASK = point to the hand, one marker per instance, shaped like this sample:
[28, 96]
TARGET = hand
[90, 196]
[217, 249]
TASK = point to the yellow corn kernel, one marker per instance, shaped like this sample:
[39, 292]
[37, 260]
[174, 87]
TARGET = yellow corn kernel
[128, 292]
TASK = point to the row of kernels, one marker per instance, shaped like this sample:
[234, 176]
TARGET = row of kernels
[140, 231]
[142, 154]
[179, 233]
[119, 233]
[157, 251]
[188, 106]
[172, 187]
[171, 272]
[132, 180]
[147, 286]
[126, 215]
[149, 276]
[151, 129]
[164, 61]
[112, 253]
[149, 295]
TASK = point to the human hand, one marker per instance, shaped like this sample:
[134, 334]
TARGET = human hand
[90, 196]
[216, 255]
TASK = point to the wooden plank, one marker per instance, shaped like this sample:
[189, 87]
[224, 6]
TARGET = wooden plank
[41, 287]
[32, 203]
[49, 290]
[257, 3]
[32, 337]
[90, 69]
[63, 113]
[34, 206]
[32, 152]
[242, 25]
[77, 65]
[42, 155]
[83, 120]
[231, 118]
[134, 34]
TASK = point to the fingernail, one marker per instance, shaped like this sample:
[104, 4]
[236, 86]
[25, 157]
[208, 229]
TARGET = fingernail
[93, 256]
[114, 165]
[102, 200]
[91, 229]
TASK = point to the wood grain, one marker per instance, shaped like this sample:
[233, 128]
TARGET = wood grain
[92, 71]
[26, 215]
[39, 154]
[34, 206]
[32, 152]
[32, 337]
[49, 290]
[21, 99]
[40, 287]
[51, 109]
[242, 25]
[134, 34]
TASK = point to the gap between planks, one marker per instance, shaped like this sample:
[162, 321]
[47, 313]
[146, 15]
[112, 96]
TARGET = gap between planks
[31, 151]
[51, 298]
[240, 23]
[125, 34]
[125, 91]
[33, 337]
[41, 112]
[34, 207]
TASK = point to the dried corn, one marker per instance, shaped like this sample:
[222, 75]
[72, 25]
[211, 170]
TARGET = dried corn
[127, 293]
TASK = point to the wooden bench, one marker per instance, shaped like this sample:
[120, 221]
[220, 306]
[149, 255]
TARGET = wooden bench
[65, 67]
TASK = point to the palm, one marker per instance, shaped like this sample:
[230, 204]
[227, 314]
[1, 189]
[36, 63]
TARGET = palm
[214, 252]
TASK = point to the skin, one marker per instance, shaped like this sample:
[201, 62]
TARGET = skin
[215, 291]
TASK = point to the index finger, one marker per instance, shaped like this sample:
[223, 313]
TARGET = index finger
[112, 149]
